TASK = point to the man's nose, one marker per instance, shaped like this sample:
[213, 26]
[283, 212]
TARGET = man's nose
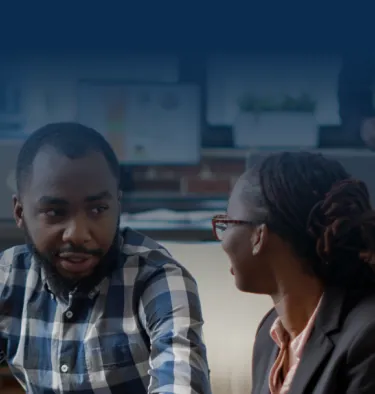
[77, 231]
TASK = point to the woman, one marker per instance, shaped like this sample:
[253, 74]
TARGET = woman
[299, 229]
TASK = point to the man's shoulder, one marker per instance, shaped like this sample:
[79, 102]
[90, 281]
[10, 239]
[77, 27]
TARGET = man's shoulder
[14, 266]
[15, 257]
[147, 254]
[138, 243]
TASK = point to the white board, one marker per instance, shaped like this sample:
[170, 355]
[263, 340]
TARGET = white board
[146, 124]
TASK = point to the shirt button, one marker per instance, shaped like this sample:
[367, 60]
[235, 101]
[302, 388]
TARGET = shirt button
[64, 368]
[69, 314]
[91, 295]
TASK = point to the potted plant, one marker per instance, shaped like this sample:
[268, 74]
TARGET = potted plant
[265, 122]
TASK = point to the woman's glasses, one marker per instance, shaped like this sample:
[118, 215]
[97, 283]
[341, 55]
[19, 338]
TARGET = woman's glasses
[220, 224]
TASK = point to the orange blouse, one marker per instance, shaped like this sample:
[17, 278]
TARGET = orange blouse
[278, 333]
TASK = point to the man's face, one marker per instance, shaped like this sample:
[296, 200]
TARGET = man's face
[69, 208]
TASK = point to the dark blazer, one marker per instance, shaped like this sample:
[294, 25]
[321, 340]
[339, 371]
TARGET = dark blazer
[339, 357]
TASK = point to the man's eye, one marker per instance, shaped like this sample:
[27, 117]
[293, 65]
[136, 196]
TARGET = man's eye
[100, 209]
[53, 212]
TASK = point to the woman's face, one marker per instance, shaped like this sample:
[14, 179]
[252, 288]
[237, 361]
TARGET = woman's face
[246, 245]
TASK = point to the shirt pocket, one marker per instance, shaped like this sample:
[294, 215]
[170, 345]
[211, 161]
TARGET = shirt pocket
[106, 359]
[113, 352]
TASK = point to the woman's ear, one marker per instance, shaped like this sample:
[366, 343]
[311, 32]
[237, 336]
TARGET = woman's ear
[259, 239]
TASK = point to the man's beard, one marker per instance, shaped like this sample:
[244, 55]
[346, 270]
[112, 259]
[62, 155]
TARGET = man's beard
[63, 286]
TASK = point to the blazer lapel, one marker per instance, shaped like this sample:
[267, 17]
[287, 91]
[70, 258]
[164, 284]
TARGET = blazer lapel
[265, 387]
[319, 346]
[317, 350]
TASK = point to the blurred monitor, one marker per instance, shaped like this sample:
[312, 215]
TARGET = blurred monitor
[146, 124]
[8, 155]
[359, 163]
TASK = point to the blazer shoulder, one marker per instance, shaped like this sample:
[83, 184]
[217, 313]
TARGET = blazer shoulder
[262, 350]
[267, 320]
[363, 311]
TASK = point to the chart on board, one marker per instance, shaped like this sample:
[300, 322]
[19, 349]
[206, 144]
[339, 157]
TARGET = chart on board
[145, 123]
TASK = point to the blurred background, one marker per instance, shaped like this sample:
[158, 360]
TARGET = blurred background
[184, 128]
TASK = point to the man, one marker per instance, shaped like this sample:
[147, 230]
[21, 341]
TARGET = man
[85, 307]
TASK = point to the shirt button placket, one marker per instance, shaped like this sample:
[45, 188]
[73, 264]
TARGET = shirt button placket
[69, 314]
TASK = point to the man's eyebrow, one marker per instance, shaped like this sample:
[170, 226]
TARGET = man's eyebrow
[51, 200]
[106, 195]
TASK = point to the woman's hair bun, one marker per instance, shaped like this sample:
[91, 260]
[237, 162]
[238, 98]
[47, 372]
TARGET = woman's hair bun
[344, 222]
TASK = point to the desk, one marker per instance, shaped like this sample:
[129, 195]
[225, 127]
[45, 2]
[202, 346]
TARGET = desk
[8, 385]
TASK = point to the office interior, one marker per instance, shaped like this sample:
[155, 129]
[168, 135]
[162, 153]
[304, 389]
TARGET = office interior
[184, 128]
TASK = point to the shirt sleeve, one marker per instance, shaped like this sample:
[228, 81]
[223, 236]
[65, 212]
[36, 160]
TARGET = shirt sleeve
[172, 315]
[6, 263]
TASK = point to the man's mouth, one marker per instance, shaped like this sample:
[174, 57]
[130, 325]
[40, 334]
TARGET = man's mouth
[75, 257]
[77, 262]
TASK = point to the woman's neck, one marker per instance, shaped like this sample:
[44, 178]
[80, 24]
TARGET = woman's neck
[296, 301]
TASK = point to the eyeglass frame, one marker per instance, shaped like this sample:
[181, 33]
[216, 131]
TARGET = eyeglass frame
[225, 220]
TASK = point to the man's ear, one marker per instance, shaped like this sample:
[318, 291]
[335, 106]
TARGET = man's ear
[17, 211]
[259, 239]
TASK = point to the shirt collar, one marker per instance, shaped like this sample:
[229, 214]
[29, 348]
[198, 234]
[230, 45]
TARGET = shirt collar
[281, 337]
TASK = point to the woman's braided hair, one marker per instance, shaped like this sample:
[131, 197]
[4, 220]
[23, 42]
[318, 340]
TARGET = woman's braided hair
[315, 205]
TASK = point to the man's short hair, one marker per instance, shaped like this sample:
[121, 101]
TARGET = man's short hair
[70, 139]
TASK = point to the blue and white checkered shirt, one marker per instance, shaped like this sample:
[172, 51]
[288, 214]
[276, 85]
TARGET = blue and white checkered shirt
[138, 331]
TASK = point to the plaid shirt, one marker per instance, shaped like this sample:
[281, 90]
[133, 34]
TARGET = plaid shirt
[138, 331]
